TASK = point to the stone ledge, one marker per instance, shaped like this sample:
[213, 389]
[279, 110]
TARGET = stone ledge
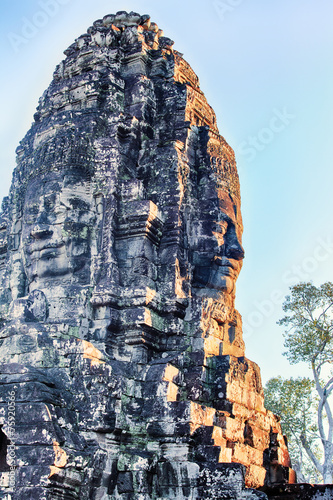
[300, 491]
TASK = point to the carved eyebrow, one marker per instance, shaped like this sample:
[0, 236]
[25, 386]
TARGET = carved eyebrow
[227, 220]
[222, 223]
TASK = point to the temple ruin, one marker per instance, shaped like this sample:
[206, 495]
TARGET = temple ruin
[120, 248]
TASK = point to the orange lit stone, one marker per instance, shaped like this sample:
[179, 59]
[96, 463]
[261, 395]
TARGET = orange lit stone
[60, 459]
[201, 416]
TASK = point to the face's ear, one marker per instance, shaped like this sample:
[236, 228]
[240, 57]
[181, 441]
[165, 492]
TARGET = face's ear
[231, 207]
[226, 204]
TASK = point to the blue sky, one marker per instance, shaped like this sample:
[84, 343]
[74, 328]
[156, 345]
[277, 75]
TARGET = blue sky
[266, 68]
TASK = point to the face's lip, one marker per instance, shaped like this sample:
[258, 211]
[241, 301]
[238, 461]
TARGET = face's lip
[225, 262]
[229, 271]
[38, 247]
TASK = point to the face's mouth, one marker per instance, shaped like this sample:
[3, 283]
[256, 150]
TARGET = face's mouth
[44, 250]
[50, 253]
[228, 271]
[229, 267]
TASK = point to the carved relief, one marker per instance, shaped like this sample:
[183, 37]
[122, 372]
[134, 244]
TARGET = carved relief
[120, 248]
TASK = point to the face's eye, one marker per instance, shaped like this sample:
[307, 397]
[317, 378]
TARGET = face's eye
[221, 227]
[30, 214]
[224, 227]
[60, 213]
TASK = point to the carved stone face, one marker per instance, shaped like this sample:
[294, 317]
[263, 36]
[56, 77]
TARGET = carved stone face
[229, 259]
[57, 221]
[217, 248]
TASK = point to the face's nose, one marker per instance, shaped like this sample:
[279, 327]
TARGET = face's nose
[233, 247]
[235, 252]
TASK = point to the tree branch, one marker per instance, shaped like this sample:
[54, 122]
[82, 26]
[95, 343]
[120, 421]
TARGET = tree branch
[327, 388]
[320, 407]
[319, 351]
[325, 311]
[311, 455]
[324, 402]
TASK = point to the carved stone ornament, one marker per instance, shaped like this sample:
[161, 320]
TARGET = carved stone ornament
[120, 247]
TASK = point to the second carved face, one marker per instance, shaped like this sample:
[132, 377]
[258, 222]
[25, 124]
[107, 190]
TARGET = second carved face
[216, 244]
[58, 217]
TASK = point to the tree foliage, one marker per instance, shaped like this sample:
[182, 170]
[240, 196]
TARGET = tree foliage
[292, 399]
[309, 338]
[309, 334]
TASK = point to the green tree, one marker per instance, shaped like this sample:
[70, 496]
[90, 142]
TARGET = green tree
[309, 338]
[292, 399]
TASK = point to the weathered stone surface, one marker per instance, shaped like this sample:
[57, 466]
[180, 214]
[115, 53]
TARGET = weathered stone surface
[120, 245]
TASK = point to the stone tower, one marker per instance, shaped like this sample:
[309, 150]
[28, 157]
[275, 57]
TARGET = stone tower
[123, 372]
